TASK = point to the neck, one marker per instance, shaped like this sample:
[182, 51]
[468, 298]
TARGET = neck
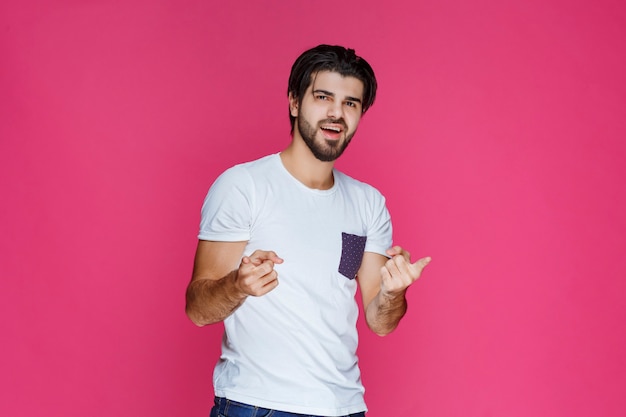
[306, 168]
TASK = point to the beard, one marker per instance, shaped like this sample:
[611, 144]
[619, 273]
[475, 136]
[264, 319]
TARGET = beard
[324, 150]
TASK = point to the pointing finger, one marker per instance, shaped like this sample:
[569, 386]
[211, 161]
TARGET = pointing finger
[259, 256]
[398, 250]
[394, 250]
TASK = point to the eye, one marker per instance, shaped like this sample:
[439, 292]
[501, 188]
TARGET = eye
[321, 97]
[350, 104]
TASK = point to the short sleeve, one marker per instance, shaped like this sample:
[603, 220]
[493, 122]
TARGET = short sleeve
[227, 209]
[379, 230]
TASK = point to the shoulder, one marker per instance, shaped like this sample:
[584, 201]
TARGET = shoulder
[259, 164]
[356, 188]
[248, 171]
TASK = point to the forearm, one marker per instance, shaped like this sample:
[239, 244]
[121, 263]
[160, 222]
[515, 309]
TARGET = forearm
[385, 311]
[211, 301]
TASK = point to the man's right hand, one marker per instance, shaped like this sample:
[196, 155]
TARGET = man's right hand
[256, 275]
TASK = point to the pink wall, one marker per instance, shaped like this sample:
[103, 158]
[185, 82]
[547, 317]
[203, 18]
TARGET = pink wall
[499, 139]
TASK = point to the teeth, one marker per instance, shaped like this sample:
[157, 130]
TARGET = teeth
[336, 129]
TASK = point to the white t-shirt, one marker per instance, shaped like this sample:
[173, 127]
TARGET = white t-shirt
[294, 349]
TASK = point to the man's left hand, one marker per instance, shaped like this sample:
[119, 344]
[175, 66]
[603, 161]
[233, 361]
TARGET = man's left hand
[398, 272]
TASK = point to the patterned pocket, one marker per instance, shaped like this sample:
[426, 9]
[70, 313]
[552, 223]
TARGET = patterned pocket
[352, 248]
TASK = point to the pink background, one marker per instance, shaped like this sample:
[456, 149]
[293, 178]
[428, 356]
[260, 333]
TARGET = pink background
[498, 137]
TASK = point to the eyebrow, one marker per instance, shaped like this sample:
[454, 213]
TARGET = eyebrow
[328, 93]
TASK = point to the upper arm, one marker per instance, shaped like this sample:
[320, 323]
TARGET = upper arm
[214, 260]
[369, 276]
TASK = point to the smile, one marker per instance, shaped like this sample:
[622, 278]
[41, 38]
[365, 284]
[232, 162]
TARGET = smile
[334, 129]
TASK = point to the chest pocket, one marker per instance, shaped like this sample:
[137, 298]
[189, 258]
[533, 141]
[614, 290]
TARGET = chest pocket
[352, 248]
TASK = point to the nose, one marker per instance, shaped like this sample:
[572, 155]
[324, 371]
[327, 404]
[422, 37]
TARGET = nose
[335, 110]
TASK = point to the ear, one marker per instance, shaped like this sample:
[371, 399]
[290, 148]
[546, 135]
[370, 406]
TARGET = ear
[293, 105]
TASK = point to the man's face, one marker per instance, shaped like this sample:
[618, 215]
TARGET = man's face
[329, 113]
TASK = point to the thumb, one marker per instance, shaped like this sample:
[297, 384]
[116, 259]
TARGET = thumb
[421, 263]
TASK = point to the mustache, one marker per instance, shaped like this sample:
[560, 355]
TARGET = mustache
[339, 121]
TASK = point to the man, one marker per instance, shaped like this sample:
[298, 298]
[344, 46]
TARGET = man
[281, 242]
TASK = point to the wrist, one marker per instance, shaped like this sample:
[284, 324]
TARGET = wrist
[393, 295]
[236, 292]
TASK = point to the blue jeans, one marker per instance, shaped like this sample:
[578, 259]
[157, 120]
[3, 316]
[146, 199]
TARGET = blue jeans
[228, 408]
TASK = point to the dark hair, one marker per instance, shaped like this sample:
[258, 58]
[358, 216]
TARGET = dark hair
[331, 58]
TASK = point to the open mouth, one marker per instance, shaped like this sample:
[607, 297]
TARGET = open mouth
[332, 131]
